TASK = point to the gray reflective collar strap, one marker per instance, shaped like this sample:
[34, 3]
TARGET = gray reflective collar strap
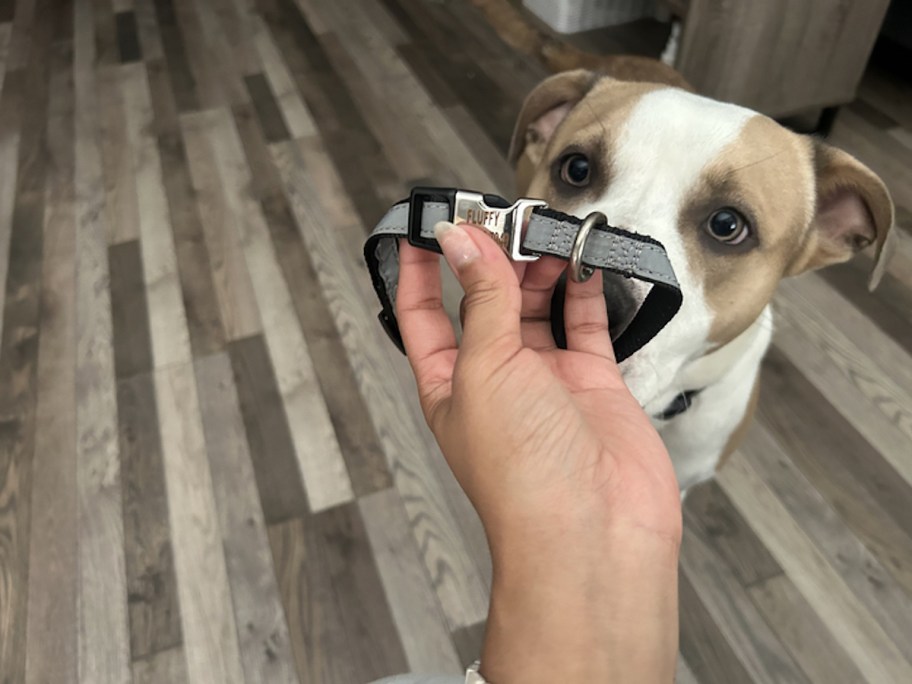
[545, 232]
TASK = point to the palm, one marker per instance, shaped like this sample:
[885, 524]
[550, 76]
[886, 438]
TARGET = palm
[561, 421]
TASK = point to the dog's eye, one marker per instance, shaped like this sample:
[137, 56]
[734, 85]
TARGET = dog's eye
[574, 170]
[728, 226]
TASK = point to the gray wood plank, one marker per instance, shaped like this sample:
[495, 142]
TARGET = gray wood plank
[129, 312]
[703, 643]
[802, 632]
[262, 630]
[167, 317]
[872, 650]
[340, 622]
[52, 619]
[206, 611]
[272, 452]
[824, 448]
[164, 667]
[104, 647]
[151, 583]
[752, 641]
[419, 620]
[860, 569]
[320, 461]
[708, 511]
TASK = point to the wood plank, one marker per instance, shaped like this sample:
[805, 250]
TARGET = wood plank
[356, 435]
[6, 30]
[298, 118]
[862, 388]
[164, 667]
[878, 150]
[873, 652]
[375, 65]
[859, 568]
[683, 673]
[128, 37]
[117, 159]
[267, 109]
[207, 619]
[872, 114]
[23, 34]
[841, 386]
[204, 322]
[11, 111]
[714, 519]
[52, 619]
[802, 632]
[222, 52]
[230, 275]
[168, 323]
[147, 28]
[368, 177]
[272, 452]
[129, 313]
[419, 621]
[207, 87]
[341, 627]
[752, 641]
[104, 649]
[151, 584]
[703, 643]
[469, 642]
[105, 33]
[860, 508]
[320, 461]
[823, 437]
[812, 294]
[180, 75]
[7, 11]
[890, 308]
[410, 449]
[236, 26]
[263, 634]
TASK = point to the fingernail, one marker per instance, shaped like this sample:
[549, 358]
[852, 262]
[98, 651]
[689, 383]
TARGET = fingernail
[458, 248]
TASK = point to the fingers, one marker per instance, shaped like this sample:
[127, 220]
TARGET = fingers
[491, 307]
[426, 331]
[586, 318]
[537, 287]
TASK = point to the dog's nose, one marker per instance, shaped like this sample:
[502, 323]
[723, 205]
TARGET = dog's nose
[622, 301]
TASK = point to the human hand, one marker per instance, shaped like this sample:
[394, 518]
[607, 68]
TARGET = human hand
[556, 455]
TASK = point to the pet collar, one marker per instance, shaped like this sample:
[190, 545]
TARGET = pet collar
[526, 230]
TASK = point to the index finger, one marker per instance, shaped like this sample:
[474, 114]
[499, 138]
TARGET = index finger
[427, 333]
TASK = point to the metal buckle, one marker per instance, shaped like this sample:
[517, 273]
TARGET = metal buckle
[504, 224]
[580, 273]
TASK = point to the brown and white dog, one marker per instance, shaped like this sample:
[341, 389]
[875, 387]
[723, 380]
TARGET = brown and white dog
[739, 203]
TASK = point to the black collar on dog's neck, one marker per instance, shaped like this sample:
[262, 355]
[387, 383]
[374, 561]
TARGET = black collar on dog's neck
[678, 405]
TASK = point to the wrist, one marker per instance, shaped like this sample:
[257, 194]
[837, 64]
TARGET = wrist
[557, 613]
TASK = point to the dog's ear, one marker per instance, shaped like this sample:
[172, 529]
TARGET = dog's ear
[854, 210]
[543, 111]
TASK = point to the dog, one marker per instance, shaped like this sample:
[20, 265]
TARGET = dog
[738, 201]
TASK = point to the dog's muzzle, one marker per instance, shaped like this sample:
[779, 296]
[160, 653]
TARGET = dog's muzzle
[526, 230]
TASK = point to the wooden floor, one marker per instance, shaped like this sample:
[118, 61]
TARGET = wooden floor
[212, 464]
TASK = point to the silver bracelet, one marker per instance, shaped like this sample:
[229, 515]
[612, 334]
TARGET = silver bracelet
[473, 676]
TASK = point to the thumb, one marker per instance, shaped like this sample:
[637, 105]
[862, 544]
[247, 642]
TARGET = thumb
[493, 300]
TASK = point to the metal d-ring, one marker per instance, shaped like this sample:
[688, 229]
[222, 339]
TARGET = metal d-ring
[579, 272]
